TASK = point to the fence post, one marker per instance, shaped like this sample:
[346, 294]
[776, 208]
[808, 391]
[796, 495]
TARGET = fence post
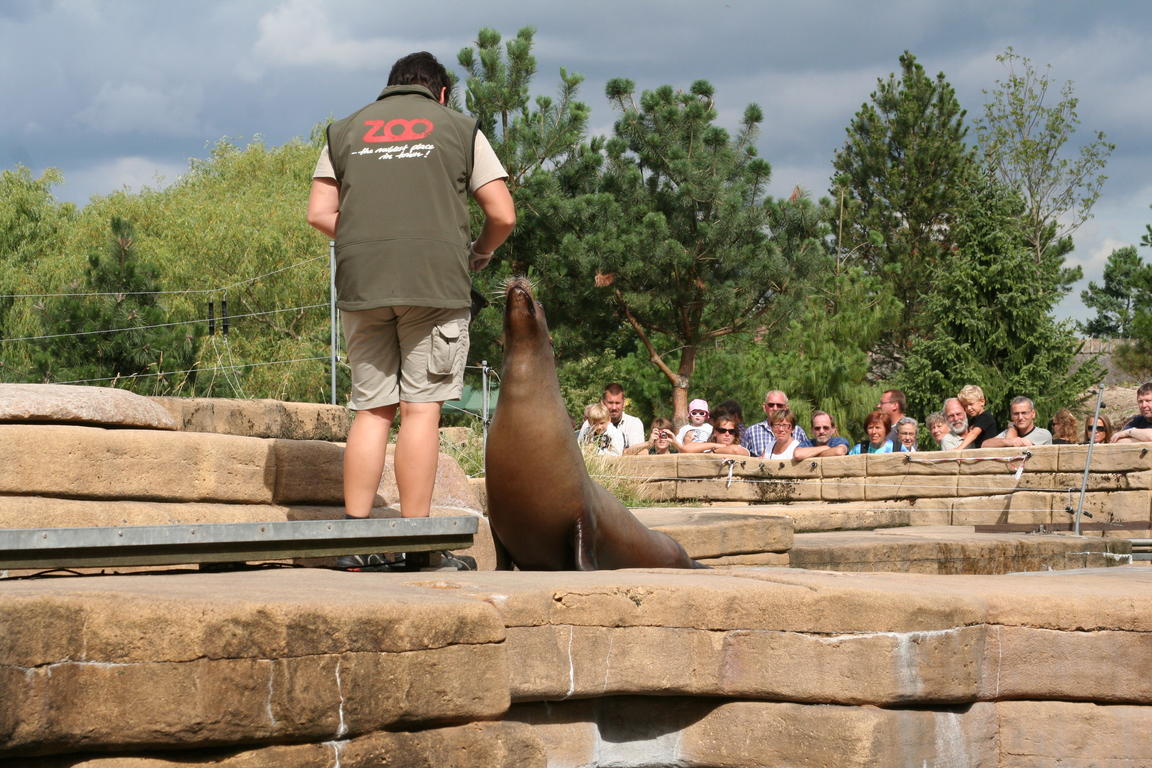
[1088, 459]
[332, 316]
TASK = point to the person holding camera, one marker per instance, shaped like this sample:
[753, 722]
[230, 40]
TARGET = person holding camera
[661, 441]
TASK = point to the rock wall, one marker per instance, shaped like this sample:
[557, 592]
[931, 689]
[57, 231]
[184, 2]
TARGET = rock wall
[740, 668]
[986, 486]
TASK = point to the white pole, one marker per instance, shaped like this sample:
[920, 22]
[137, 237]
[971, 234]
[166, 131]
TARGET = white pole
[332, 316]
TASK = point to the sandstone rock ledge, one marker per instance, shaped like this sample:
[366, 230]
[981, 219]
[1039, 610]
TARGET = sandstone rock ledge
[631, 668]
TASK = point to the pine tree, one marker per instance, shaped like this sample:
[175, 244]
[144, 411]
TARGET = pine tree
[121, 331]
[899, 179]
[1115, 301]
[990, 315]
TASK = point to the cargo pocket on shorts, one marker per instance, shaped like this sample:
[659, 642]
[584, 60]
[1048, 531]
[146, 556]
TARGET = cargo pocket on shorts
[449, 341]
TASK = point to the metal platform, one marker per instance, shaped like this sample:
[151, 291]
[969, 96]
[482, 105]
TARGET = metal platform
[227, 542]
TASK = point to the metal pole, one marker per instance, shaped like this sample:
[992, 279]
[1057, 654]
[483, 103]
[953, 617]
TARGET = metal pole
[484, 399]
[332, 316]
[1088, 458]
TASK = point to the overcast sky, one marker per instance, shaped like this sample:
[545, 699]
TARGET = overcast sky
[121, 93]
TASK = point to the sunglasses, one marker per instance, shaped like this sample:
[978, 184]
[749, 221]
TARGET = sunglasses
[777, 405]
[727, 431]
[821, 429]
[698, 413]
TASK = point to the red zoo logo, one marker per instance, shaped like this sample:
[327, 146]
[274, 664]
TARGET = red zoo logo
[397, 130]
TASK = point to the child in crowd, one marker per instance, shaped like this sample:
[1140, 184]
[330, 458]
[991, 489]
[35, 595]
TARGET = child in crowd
[698, 426]
[876, 425]
[981, 424]
[602, 434]
[661, 441]
[1064, 428]
[906, 430]
[937, 425]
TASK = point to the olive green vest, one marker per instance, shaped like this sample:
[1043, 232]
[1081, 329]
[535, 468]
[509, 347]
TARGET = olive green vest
[403, 164]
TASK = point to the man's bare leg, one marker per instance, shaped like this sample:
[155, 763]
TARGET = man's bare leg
[417, 455]
[364, 458]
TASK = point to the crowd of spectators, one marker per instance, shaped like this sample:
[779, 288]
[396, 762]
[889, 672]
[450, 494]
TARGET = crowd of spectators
[962, 422]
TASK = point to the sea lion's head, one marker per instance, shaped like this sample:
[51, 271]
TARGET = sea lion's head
[523, 315]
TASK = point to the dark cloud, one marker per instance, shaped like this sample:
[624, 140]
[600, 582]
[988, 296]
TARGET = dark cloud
[100, 88]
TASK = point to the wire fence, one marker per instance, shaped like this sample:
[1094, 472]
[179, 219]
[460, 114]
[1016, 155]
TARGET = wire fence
[215, 343]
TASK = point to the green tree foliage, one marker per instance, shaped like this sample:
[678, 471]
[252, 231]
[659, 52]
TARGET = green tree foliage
[680, 246]
[119, 331]
[990, 311]
[31, 225]
[551, 166]
[900, 176]
[1024, 140]
[1115, 301]
[1135, 356]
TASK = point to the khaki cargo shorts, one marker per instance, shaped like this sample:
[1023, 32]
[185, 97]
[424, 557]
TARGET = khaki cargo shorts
[414, 354]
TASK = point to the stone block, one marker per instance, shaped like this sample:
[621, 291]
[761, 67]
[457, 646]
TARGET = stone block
[997, 461]
[710, 465]
[1116, 506]
[259, 418]
[1062, 481]
[757, 491]
[273, 656]
[652, 468]
[1111, 457]
[870, 668]
[803, 469]
[843, 466]
[999, 484]
[715, 533]
[1139, 481]
[658, 491]
[90, 406]
[1044, 664]
[843, 488]
[1040, 734]
[909, 486]
[1021, 507]
[846, 516]
[131, 464]
[637, 731]
[932, 511]
[312, 472]
[756, 560]
[918, 463]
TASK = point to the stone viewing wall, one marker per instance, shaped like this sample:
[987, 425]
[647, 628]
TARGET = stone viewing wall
[732, 667]
[957, 488]
[631, 669]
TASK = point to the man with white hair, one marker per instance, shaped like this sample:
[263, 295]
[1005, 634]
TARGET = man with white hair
[957, 424]
[758, 438]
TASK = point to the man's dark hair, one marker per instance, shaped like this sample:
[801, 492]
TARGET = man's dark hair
[900, 398]
[1145, 388]
[613, 389]
[421, 68]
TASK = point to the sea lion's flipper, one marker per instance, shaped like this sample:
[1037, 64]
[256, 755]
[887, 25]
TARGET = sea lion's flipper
[584, 543]
[503, 558]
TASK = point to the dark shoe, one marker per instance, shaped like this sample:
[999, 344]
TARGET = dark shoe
[370, 563]
[439, 561]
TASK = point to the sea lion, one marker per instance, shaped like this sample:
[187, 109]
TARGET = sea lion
[544, 509]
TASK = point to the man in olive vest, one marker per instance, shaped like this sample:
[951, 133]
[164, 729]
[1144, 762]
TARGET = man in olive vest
[391, 187]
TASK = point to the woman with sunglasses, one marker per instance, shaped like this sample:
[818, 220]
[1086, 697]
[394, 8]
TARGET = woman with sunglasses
[1103, 429]
[725, 438]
